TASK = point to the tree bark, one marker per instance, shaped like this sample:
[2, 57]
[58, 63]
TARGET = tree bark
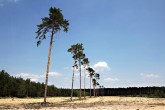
[48, 66]
[93, 90]
[72, 81]
[96, 88]
[84, 84]
[80, 77]
[90, 86]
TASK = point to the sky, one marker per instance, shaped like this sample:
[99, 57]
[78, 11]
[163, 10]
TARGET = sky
[123, 39]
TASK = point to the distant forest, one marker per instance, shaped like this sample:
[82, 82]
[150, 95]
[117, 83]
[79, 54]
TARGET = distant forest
[18, 87]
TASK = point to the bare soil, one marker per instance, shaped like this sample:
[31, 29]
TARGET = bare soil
[97, 103]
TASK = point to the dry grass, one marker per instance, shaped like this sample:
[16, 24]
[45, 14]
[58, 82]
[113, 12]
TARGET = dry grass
[98, 103]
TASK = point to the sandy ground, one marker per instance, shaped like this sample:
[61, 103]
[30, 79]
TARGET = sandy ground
[98, 103]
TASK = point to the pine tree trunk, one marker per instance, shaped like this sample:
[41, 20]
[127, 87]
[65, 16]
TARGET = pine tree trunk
[72, 81]
[94, 90]
[90, 87]
[80, 76]
[103, 91]
[84, 84]
[48, 66]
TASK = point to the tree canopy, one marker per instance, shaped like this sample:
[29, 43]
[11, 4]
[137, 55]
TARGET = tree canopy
[55, 22]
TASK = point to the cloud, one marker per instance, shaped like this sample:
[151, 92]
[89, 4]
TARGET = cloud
[66, 68]
[111, 79]
[3, 2]
[12, 1]
[101, 67]
[146, 76]
[54, 74]
[35, 77]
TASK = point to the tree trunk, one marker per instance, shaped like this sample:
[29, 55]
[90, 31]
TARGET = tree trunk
[80, 76]
[72, 81]
[48, 66]
[94, 90]
[84, 84]
[90, 87]
[103, 91]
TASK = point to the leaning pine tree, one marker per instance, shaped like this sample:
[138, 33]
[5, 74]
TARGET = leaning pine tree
[73, 50]
[97, 77]
[52, 24]
[91, 74]
[80, 56]
[85, 63]
[94, 86]
[97, 89]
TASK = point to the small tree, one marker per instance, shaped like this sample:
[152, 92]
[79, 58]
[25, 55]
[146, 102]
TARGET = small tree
[54, 23]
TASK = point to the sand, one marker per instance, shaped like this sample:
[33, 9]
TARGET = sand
[97, 103]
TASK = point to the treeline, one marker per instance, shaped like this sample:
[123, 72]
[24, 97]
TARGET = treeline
[153, 92]
[18, 87]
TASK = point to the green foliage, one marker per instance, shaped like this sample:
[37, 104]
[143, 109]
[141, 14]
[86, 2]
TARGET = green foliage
[154, 92]
[54, 23]
[78, 56]
[18, 87]
[94, 82]
[4, 83]
[21, 89]
[77, 51]
[97, 76]
[91, 71]
[85, 62]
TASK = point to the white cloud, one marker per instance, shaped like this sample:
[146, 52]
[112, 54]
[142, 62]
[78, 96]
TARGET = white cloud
[35, 77]
[82, 74]
[101, 67]
[12, 0]
[66, 68]
[50, 83]
[54, 74]
[111, 79]
[3, 2]
[151, 75]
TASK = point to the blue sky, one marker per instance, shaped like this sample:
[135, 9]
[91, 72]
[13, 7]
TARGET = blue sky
[123, 39]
